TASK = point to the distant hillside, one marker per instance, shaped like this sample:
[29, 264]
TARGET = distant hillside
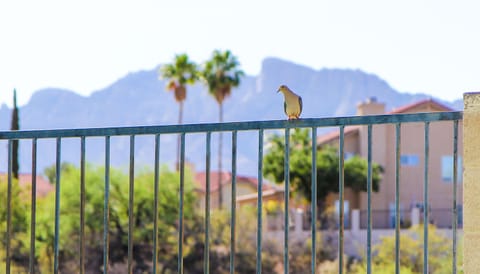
[140, 98]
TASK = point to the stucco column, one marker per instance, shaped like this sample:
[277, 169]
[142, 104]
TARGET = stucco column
[298, 219]
[471, 182]
[415, 216]
[355, 221]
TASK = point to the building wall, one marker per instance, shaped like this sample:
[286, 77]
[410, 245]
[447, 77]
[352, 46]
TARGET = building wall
[411, 176]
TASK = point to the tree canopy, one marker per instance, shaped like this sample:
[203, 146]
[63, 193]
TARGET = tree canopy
[168, 208]
[355, 168]
[411, 253]
[143, 233]
[221, 73]
[180, 72]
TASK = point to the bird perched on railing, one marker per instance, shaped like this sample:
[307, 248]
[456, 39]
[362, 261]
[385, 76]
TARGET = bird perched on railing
[293, 103]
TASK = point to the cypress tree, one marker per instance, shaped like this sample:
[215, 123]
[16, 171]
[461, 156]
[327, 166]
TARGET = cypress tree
[15, 126]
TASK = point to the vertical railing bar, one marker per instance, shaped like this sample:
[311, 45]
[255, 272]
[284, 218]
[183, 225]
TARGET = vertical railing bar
[206, 262]
[131, 195]
[58, 170]
[341, 185]
[259, 201]
[155, 201]
[287, 200]
[455, 209]
[234, 202]
[106, 206]
[180, 217]
[9, 206]
[425, 200]
[314, 201]
[397, 196]
[369, 201]
[33, 207]
[82, 204]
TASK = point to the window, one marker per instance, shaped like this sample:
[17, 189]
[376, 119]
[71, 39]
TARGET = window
[391, 215]
[447, 169]
[409, 160]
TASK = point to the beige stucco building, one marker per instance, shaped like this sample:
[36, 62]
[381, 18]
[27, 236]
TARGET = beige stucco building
[246, 190]
[440, 181]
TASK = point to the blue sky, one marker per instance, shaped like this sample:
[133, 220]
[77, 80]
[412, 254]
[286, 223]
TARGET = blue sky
[416, 46]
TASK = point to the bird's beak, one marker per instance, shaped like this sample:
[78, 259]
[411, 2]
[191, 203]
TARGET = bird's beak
[278, 90]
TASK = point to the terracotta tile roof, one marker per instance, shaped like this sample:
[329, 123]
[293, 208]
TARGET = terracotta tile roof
[25, 180]
[253, 196]
[430, 102]
[327, 137]
[201, 178]
[226, 179]
[434, 105]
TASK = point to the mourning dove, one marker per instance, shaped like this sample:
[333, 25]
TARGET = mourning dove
[293, 103]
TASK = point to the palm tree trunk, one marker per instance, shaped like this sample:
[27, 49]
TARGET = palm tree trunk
[220, 141]
[180, 121]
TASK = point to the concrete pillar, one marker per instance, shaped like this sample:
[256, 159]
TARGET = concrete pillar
[471, 183]
[355, 220]
[415, 216]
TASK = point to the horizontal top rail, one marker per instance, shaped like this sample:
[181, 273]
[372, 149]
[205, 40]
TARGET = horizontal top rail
[231, 126]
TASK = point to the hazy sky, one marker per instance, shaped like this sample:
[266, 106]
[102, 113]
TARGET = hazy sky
[416, 46]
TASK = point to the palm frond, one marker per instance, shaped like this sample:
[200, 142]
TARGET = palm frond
[221, 73]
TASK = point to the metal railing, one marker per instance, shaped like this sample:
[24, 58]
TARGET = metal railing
[234, 128]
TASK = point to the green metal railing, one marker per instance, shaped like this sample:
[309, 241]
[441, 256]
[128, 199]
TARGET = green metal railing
[234, 128]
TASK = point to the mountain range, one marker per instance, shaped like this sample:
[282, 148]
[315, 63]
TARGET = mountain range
[139, 98]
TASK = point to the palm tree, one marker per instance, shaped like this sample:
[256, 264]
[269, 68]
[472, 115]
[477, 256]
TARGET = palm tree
[221, 74]
[179, 73]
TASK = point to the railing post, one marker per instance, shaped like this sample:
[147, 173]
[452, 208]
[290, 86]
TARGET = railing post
[471, 185]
